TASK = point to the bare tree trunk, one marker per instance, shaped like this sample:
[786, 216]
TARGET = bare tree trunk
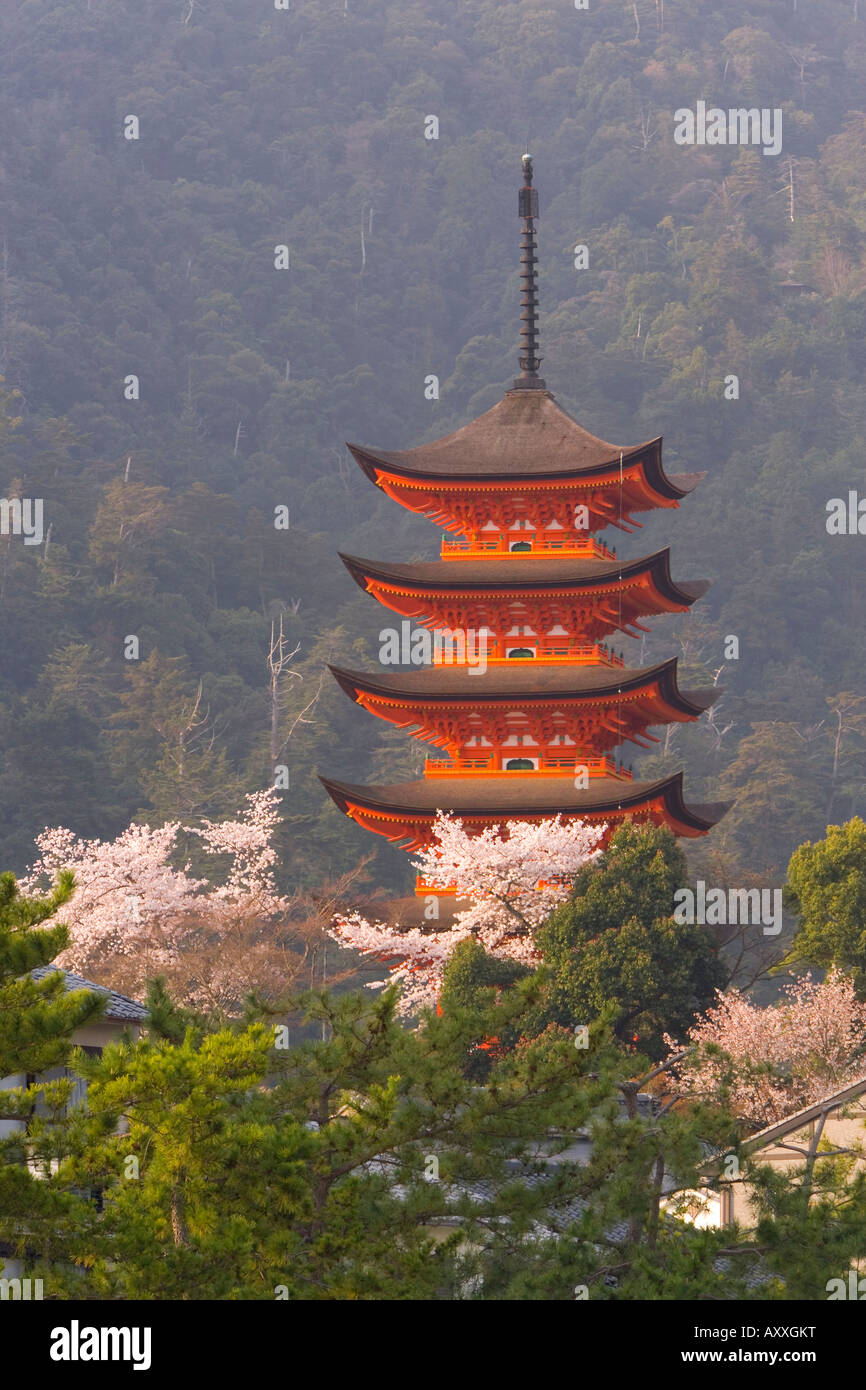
[276, 662]
[179, 1231]
[657, 1184]
[837, 749]
[120, 540]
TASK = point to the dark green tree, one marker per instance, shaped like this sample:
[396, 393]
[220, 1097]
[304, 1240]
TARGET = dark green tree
[827, 888]
[39, 1219]
[616, 943]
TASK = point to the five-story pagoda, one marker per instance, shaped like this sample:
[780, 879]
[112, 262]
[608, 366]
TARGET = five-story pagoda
[524, 696]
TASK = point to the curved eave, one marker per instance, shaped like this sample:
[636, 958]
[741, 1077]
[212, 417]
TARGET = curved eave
[483, 798]
[426, 687]
[681, 484]
[413, 465]
[514, 575]
[373, 462]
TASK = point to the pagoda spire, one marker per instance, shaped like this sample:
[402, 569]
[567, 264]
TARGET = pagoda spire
[530, 361]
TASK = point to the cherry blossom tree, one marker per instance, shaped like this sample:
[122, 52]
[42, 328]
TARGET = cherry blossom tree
[137, 910]
[126, 891]
[513, 876]
[776, 1060]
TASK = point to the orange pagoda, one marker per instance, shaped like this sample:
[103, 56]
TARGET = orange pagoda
[523, 695]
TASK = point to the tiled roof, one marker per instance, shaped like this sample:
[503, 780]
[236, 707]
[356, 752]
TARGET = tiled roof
[524, 434]
[532, 681]
[526, 574]
[522, 796]
[120, 1006]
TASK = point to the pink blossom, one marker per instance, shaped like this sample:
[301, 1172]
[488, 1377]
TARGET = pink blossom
[785, 1056]
[514, 877]
[132, 900]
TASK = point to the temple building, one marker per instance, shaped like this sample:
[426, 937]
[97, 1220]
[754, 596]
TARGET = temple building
[524, 698]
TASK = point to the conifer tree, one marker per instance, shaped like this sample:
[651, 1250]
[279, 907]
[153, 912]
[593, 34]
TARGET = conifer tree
[38, 1017]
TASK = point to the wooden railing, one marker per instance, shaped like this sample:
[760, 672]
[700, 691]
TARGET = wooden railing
[550, 764]
[500, 545]
[599, 655]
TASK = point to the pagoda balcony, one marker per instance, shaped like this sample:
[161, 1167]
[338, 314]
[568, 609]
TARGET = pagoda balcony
[596, 655]
[549, 765]
[425, 888]
[497, 546]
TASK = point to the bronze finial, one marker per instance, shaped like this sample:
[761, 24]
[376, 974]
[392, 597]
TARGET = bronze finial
[530, 360]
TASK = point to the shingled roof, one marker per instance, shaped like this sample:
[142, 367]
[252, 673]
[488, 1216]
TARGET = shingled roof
[525, 680]
[120, 1006]
[525, 435]
[516, 797]
[525, 573]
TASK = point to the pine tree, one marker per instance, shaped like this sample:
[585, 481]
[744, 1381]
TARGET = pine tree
[38, 1219]
[367, 1165]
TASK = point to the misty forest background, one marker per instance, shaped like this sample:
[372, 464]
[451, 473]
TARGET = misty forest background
[306, 127]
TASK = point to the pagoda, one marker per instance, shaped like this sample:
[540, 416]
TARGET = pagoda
[532, 727]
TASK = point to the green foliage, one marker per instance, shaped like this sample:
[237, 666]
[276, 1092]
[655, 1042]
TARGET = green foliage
[37, 1017]
[168, 1020]
[472, 976]
[249, 1171]
[369, 1166]
[474, 979]
[156, 257]
[827, 888]
[39, 1217]
[615, 943]
[809, 1226]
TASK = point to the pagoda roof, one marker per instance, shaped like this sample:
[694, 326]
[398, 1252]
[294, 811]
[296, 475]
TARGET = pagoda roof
[525, 680]
[526, 435]
[514, 797]
[522, 572]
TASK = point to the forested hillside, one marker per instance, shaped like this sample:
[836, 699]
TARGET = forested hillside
[155, 257]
